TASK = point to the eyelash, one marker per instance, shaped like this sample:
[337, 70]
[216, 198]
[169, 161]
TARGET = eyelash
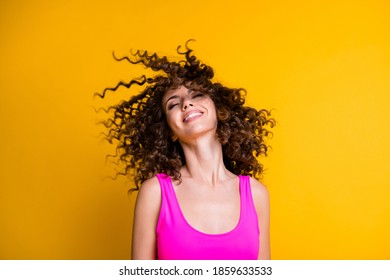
[170, 107]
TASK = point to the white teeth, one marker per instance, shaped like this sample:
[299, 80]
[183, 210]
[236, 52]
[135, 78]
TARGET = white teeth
[191, 116]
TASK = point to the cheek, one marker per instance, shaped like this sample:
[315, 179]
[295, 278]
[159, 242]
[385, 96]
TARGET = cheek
[169, 121]
[212, 110]
[172, 120]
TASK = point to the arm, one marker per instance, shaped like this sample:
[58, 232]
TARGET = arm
[261, 201]
[147, 209]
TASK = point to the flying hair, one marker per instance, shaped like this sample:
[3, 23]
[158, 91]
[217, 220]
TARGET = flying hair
[140, 131]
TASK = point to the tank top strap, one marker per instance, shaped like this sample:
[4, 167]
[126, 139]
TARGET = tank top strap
[168, 209]
[247, 205]
[164, 180]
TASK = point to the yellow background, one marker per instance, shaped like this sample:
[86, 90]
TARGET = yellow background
[322, 65]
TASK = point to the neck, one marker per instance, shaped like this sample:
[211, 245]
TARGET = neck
[204, 160]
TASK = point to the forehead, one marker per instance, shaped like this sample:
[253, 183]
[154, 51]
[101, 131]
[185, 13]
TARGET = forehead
[181, 90]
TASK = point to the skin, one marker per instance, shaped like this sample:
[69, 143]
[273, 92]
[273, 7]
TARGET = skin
[208, 194]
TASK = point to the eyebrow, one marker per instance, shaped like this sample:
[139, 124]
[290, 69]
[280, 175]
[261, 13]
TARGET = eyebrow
[176, 96]
[170, 98]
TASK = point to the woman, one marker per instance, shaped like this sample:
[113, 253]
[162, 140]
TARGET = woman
[192, 144]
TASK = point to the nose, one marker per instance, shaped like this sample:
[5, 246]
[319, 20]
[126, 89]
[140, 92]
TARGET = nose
[186, 105]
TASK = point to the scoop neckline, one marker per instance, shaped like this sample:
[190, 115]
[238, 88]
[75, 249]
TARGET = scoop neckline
[201, 232]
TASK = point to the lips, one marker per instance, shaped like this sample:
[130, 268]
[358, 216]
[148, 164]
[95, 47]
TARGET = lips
[192, 115]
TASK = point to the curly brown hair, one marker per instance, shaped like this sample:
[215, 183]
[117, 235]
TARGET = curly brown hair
[139, 125]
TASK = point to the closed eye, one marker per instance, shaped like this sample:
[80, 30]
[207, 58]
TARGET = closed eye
[198, 95]
[170, 107]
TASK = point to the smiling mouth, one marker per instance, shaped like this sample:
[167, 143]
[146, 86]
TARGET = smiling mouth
[192, 116]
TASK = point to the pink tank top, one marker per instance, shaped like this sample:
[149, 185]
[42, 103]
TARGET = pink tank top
[178, 240]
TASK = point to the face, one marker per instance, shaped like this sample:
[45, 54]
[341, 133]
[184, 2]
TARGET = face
[189, 113]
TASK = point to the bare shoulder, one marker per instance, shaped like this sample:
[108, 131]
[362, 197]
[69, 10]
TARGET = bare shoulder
[258, 188]
[261, 200]
[147, 208]
[150, 187]
[149, 195]
[260, 194]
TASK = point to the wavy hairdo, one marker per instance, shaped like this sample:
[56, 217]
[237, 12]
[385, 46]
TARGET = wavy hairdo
[139, 125]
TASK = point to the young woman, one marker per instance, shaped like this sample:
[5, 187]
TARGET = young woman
[193, 147]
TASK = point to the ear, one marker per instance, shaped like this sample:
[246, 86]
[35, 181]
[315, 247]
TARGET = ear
[174, 138]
